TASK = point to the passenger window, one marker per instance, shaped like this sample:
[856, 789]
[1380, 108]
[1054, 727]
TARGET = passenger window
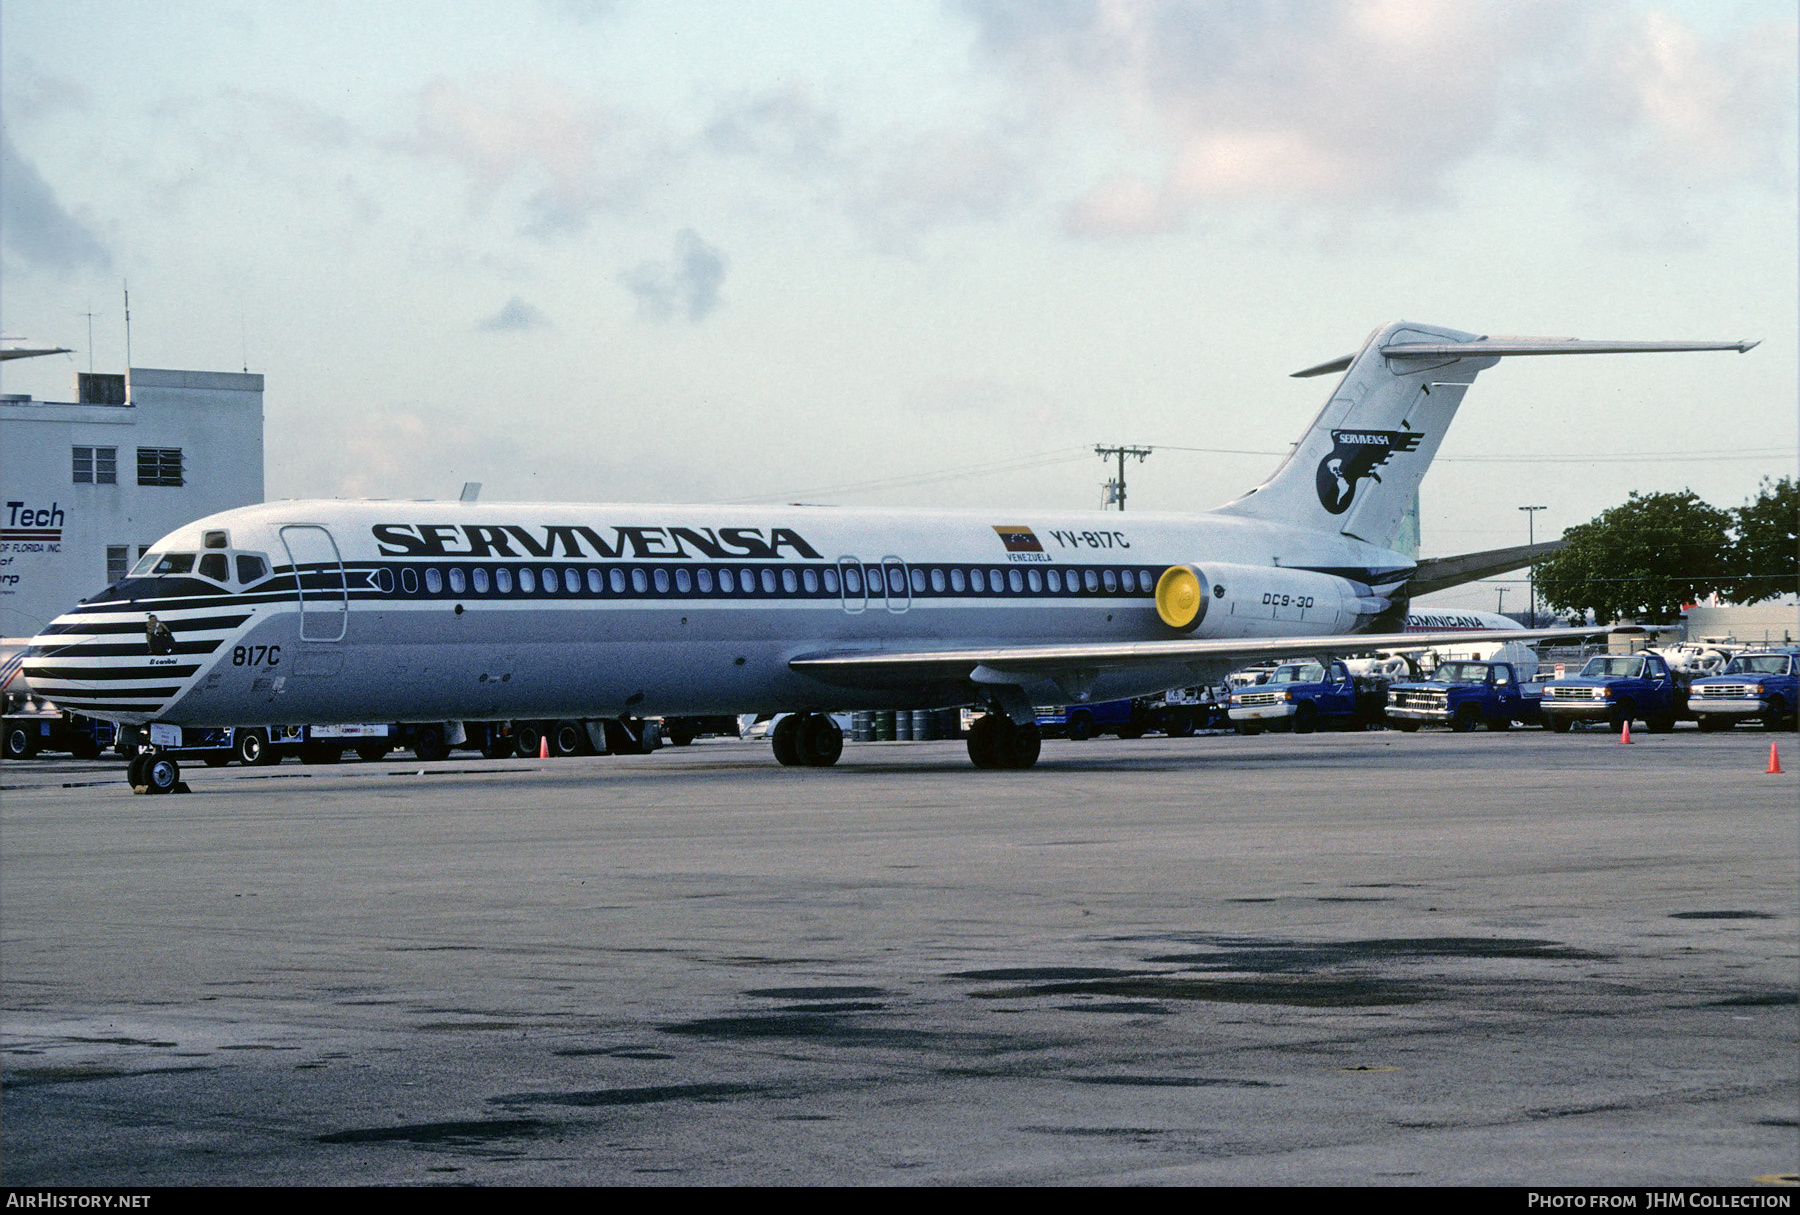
[852, 580]
[704, 577]
[1035, 580]
[456, 579]
[616, 580]
[1053, 580]
[831, 579]
[1112, 583]
[662, 580]
[977, 581]
[254, 569]
[1090, 580]
[503, 581]
[809, 578]
[434, 581]
[640, 581]
[918, 580]
[789, 582]
[937, 581]
[595, 582]
[1015, 581]
[896, 581]
[727, 581]
[409, 578]
[527, 581]
[572, 581]
[548, 577]
[958, 582]
[996, 581]
[1146, 582]
[684, 581]
[1127, 581]
[768, 581]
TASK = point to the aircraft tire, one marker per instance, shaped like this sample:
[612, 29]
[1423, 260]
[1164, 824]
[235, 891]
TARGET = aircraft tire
[785, 738]
[984, 741]
[820, 741]
[134, 771]
[428, 743]
[160, 773]
[1024, 744]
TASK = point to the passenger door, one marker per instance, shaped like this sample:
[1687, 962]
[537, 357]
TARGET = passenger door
[319, 574]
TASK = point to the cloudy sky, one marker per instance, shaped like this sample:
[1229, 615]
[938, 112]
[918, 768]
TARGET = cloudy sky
[915, 254]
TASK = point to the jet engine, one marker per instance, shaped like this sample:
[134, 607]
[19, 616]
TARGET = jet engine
[1222, 599]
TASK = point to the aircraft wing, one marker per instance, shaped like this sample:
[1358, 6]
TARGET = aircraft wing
[1027, 664]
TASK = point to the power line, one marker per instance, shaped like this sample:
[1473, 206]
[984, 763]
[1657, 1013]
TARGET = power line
[1043, 459]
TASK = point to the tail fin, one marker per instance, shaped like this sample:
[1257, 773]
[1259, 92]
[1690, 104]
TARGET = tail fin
[1358, 467]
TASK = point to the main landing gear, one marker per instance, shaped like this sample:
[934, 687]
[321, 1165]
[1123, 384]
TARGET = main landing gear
[810, 740]
[996, 741]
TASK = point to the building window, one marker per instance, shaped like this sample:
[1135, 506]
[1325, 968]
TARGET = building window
[95, 465]
[159, 466]
[118, 562]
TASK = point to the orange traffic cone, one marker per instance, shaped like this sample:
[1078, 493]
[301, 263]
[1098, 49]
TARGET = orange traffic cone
[544, 747]
[1625, 733]
[1774, 768]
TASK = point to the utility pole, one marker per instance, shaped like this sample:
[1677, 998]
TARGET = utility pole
[1531, 572]
[1115, 489]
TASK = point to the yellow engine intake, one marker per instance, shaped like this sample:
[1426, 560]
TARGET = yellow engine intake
[1181, 597]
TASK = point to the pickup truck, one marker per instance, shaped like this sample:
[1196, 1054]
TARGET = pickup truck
[1615, 689]
[1463, 695]
[1306, 696]
[1761, 687]
[1126, 718]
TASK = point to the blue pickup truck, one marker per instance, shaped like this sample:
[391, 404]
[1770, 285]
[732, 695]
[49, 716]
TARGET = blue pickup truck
[1762, 687]
[1306, 696]
[1615, 689]
[1463, 695]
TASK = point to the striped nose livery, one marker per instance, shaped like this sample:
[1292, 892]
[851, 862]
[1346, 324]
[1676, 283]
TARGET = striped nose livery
[104, 660]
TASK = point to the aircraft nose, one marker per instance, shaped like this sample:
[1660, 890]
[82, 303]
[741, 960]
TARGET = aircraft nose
[116, 662]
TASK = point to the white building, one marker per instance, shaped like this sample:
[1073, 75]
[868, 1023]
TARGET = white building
[87, 485]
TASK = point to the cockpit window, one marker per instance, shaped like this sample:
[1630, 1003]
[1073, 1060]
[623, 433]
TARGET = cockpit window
[154, 564]
[212, 565]
[251, 568]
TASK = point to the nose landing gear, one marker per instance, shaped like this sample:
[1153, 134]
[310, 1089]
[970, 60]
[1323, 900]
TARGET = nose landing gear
[155, 774]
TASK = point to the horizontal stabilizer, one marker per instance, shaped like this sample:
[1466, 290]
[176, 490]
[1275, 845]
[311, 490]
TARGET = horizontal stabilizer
[1441, 573]
[1505, 347]
[1027, 664]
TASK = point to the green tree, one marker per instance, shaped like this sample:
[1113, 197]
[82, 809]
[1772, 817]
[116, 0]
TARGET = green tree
[1644, 558]
[1765, 557]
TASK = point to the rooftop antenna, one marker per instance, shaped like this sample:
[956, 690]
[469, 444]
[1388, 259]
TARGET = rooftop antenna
[90, 317]
[127, 341]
